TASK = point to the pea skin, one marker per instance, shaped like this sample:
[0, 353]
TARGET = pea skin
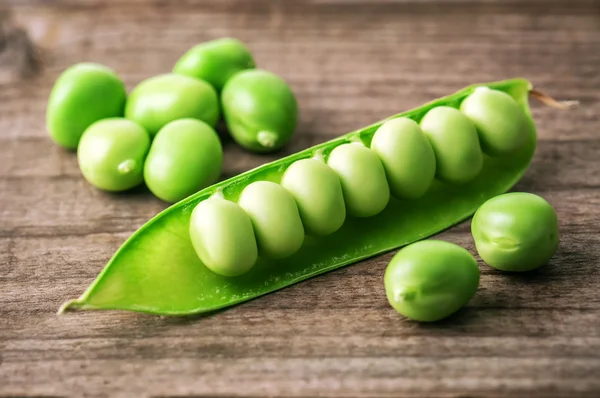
[430, 280]
[111, 154]
[516, 232]
[260, 110]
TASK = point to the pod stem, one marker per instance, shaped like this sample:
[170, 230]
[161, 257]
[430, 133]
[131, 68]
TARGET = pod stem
[267, 139]
[551, 102]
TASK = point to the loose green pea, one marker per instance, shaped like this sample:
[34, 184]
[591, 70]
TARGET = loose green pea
[366, 190]
[222, 236]
[318, 194]
[454, 140]
[516, 231]
[215, 61]
[498, 119]
[260, 110]
[185, 156]
[275, 218]
[161, 99]
[430, 280]
[111, 154]
[83, 94]
[407, 157]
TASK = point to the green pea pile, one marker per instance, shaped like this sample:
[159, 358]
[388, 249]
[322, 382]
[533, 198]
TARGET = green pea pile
[163, 132]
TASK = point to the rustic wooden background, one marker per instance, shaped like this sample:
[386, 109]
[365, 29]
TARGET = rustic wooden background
[350, 63]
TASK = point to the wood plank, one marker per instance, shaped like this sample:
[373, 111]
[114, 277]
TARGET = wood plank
[336, 377]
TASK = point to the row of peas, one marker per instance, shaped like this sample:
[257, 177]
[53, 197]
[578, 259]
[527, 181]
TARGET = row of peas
[315, 195]
[163, 133]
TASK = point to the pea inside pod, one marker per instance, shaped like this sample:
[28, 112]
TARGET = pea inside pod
[365, 187]
[260, 110]
[430, 280]
[222, 236]
[454, 140]
[407, 157]
[162, 99]
[516, 231]
[215, 61]
[318, 194]
[111, 154]
[185, 156]
[275, 218]
[83, 94]
[498, 119]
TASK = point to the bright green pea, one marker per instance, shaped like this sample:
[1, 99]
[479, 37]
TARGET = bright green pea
[366, 190]
[516, 231]
[111, 154]
[215, 61]
[430, 280]
[407, 157]
[260, 110]
[318, 194]
[185, 156]
[275, 218]
[222, 236]
[455, 144]
[82, 95]
[161, 99]
[498, 119]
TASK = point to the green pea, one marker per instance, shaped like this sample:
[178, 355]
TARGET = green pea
[215, 61]
[260, 110]
[161, 99]
[366, 190]
[407, 157]
[430, 280]
[111, 154]
[275, 218]
[498, 119]
[222, 236]
[83, 94]
[318, 194]
[516, 231]
[454, 140]
[185, 156]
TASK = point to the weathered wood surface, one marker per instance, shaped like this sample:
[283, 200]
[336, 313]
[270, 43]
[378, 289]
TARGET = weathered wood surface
[350, 63]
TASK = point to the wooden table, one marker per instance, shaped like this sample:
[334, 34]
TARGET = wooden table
[350, 63]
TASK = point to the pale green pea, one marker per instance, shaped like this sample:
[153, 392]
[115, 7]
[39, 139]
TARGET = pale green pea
[516, 231]
[185, 156]
[318, 194]
[365, 188]
[407, 157]
[215, 61]
[430, 280]
[222, 236]
[83, 94]
[111, 154]
[454, 140]
[162, 99]
[275, 218]
[498, 118]
[260, 110]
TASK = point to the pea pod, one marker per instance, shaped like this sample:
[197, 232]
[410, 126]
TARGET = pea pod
[157, 270]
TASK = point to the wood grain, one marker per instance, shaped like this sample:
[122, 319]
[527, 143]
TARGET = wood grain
[350, 63]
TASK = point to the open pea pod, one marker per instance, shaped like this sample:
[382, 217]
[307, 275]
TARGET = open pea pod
[157, 270]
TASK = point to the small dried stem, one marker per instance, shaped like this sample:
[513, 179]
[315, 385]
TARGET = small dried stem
[549, 101]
